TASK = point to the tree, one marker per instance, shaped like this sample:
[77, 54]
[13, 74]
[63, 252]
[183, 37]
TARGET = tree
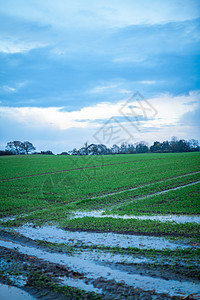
[156, 147]
[18, 147]
[141, 147]
[48, 152]
[102, 149]
[131, 148]
[2, 152]
[15, 147]
[194, 145]
[64, 153]
[28, 147]
[92, 149]
[115, 149]
[165, 146]
[183, 146]
[174, 144]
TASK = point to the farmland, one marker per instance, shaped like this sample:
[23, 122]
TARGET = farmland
[101, 227]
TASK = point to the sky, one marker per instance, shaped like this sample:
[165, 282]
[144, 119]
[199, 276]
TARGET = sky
[93, 71]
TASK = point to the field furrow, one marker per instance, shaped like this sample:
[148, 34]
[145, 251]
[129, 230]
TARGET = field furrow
[101, 227]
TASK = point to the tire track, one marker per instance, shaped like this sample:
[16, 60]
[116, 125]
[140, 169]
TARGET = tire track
[155, 194]
[83, 168]
[146, 185]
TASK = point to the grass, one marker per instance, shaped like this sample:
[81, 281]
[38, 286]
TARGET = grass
[131, 226]
[181, 201]
[50, 198]
[128, 195]
[123, 172]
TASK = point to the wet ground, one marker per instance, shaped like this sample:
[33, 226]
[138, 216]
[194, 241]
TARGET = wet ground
[53, 263]
[12, 292]
[84, 261]
[168, 218]
[57, 235]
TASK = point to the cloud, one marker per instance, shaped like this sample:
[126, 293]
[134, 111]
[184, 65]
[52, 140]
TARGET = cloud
[65, 65]
[100, 89]
[57, 129]
[13, 46]
[169, 109]
[125, 91]
[15, 88]
[66, 14]
[147, 81]
[9, 89]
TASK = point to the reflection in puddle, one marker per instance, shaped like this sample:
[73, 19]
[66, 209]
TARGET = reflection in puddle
[56, 235]
[94, 271]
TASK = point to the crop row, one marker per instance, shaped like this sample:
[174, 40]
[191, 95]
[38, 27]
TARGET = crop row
[32, 194]
[181, 201]
[27, 194]
[16, 166]
[131, 226]
[129, 195]
[112, 178]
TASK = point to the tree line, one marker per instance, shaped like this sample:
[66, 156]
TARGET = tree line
[174, 145]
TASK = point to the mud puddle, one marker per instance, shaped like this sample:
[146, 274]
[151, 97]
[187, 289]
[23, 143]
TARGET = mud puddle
[56, 235]
[94, 271]
[168, 218]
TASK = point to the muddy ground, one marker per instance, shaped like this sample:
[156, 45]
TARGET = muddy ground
[48, 271]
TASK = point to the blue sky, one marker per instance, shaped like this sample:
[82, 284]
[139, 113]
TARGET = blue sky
[68, 67]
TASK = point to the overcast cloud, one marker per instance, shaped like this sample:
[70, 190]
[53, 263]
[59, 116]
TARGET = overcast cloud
[67, 67]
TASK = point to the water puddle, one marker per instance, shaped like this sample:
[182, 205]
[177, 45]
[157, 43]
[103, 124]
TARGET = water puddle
[80, 284]
[57, 235]
[94, 271]
[168, 218]
[101, 256]
[12, 292]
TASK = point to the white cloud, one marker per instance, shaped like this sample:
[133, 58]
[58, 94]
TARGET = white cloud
[125, 91]
[9, 89]
[169, 111]
[13, 46]
[147, 82]
[102, 13]
[101, 89]
[54, 127]
[15, 88]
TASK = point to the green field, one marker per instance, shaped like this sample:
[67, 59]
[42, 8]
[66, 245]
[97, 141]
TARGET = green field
[121, 197]
[48, 188]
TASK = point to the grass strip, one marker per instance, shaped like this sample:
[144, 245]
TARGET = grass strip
[132, 226]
